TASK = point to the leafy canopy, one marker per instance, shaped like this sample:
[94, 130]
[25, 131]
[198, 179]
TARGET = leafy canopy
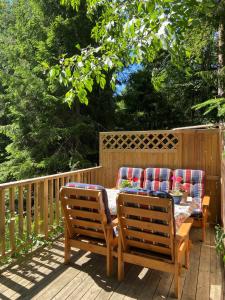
[128, 32]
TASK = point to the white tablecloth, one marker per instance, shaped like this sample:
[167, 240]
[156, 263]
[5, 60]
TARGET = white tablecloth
[181, 212]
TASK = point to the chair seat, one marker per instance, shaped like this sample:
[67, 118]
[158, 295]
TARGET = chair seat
[150, 254]
[91, 240]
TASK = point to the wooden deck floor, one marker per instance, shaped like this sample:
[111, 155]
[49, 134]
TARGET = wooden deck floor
[44, 276]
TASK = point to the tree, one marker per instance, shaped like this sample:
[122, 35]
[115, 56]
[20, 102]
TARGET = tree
[161, 96]
[42, 134]
[133, 31]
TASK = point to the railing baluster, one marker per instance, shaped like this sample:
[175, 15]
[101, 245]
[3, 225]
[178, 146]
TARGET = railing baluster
[28, 209]
[51, 212]
[45, 207]
[41, 203]
[78, 177]
[20, 210]
[36, 208]
[12, 219]
[57, 200]
[2, 222]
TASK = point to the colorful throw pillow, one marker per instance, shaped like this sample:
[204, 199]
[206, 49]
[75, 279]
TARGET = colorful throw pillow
[130, 177]
[157, 179]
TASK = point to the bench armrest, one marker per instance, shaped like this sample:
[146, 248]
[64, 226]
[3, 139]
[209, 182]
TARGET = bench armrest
[184, 229]
[205, 201]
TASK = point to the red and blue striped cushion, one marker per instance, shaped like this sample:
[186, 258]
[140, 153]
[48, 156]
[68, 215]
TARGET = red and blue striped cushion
[157, 179]
[133, 175]
[192, 181]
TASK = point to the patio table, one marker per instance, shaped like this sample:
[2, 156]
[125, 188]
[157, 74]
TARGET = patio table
[181, 212]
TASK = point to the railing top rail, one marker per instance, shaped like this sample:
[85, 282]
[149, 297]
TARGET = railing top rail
[42, 178]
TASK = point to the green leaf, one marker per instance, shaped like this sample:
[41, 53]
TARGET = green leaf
[88, 85]
[102, 82]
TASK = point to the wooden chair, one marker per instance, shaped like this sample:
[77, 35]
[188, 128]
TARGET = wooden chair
[147, 235]
[87, 226]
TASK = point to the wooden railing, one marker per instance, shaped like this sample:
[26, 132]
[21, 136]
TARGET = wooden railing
[32, 206]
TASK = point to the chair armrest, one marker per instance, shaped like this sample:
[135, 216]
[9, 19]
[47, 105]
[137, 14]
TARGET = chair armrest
[205, 201]
[115, 222]
[184, 229]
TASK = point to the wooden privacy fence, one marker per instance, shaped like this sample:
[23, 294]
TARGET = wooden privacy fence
[32, 206]
[187, 148]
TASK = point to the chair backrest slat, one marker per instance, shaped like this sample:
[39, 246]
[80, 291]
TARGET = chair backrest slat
[146, 223]
[146, 213]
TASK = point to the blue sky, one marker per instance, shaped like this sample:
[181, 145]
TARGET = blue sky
[124, 75]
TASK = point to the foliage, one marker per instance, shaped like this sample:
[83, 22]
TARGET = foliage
[41, 134]
[26, 244]
[129, 32]
[155, 97]
[220, 239]
[125, 183]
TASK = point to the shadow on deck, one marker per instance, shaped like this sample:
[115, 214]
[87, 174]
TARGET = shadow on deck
[44, 276]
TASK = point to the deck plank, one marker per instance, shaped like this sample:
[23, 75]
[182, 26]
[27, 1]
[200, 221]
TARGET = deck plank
[44, 276]
[203, 285]
[216, 272]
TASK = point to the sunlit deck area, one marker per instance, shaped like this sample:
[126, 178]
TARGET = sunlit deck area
[45, 276]
[33, 206]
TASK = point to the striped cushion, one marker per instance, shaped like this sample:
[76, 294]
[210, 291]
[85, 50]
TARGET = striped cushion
[89, 186]
[133, 175]
[192, 181]
[157, 179]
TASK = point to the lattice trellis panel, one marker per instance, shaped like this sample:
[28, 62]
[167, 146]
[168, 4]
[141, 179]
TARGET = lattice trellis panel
[139, 141]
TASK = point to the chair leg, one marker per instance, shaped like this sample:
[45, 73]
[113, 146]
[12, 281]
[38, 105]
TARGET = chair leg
[187, 254]
[204, 228]
[176, 280]
[109, 261]
[67, 250]
[120, 261]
